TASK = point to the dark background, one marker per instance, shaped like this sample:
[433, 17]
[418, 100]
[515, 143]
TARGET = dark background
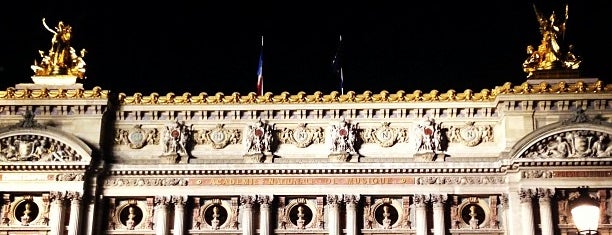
[213, 46]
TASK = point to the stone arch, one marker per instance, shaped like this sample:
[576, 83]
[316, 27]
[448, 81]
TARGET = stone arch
[65, 147]
[546, 142]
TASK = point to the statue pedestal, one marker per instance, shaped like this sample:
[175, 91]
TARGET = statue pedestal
[557, 75]
[55, 80]
[170, 158]
[343, 157]
[34, 86]
[258, 158]
[429, 157]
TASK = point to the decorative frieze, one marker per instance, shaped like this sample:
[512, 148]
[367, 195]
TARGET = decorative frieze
[385, 135]
[165, 181]
[533, 174]
[136, 137]
[218, 137]
[460, 180]
[69, 177]
[302, 136]
[470, 134]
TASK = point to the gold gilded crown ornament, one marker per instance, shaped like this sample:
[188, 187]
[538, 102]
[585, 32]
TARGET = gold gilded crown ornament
[61, 65]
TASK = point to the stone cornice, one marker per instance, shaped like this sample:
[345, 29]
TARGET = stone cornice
[52, 94]
[384, 96]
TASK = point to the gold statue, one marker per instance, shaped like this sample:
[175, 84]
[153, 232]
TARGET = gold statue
[61, 65]
[549, 54]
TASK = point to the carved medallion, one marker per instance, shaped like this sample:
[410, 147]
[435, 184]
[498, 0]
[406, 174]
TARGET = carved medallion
[137, 137]
[470, 135]
[219, 137]
[302, 136]
[385, 135]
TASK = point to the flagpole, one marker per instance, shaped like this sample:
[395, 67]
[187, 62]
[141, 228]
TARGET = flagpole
[339, 64]
[261, 61]
[260, 70]
[342, 81]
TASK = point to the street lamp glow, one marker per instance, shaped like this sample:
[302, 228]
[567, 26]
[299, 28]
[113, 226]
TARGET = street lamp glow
[585, 212]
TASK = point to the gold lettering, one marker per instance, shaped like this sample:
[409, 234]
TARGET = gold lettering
[572, 174]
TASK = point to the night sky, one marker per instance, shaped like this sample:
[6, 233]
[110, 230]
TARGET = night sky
[207, 46]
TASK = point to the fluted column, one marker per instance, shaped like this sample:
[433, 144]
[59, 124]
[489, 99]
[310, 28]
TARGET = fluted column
[526, 211]
[161, 215]
[438, 201]
[247, 202]
[333, 219]
[75, 213]
[420, 202]
[544, 196]
[56, 217]
[265, 202]
[351, 213]
[179, 214]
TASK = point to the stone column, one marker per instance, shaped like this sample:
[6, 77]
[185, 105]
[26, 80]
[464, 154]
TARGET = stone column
[526, 211]
[544, 196]
[75, 213]
[265, 202]
[179, 214]
[420, 202]
[505, 209]
[247, 202]
[333, 219]
[56, 217]
[161, 215]
[438, 201]
[351, 213]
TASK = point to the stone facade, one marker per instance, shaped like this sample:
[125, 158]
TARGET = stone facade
[505, 160]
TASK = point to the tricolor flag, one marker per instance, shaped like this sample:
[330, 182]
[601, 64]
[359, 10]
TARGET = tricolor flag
[337, 66]
[260, 71]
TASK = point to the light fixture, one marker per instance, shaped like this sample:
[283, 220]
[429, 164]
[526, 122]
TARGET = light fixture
[585, 211]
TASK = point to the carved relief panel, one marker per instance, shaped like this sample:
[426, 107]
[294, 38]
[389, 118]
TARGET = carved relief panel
[215, 213]
[475, 212]
[130, 214]
[301, 213]
[387, 213]
[25, 210]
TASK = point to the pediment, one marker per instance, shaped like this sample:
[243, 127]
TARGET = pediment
[42, 146]
[567, 140]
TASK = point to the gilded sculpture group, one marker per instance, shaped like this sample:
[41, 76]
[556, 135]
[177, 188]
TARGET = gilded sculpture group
[62, 58]
[549, 54]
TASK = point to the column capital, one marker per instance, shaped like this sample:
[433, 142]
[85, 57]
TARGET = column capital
[57, 195]
[526, 195]
[74, 196]
[545, 194]
[265, 200]
[351, 199]
[248, 200]
[503, 200]
[162, 200]
[179, 200]
[333, 199]
[438, 200]
[420, 200]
